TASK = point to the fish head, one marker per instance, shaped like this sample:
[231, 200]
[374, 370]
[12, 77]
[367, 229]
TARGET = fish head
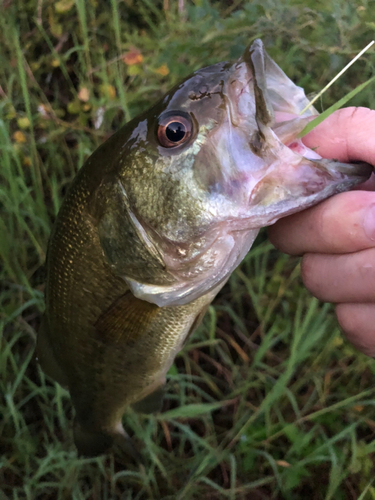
[216, 159]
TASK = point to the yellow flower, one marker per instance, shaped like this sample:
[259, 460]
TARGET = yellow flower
[162, 70]
[23, 122]
[19, 137]
[108, 91]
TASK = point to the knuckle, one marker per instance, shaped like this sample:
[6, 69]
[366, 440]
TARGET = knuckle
[352, 124]
[350, 114]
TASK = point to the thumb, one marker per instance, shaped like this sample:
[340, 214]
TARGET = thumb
[346, 135]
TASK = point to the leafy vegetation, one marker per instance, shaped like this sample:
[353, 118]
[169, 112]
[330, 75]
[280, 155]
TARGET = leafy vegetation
[266, 401]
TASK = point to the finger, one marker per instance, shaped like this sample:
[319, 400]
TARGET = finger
[345, 135]
[357, 322]
[340, 278]
[342, 224]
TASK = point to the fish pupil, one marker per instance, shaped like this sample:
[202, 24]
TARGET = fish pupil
[175, 131]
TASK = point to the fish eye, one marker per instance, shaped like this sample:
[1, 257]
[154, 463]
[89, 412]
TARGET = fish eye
[174, 129]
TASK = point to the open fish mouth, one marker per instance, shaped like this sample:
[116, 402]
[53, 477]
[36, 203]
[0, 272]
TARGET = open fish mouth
[302, 180]
[285, 175]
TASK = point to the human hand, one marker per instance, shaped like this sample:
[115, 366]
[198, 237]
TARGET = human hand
[337, 237]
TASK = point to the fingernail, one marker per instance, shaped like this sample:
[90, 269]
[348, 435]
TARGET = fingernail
[369, 223]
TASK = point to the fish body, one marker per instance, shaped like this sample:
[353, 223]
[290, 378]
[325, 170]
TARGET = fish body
[155, 222]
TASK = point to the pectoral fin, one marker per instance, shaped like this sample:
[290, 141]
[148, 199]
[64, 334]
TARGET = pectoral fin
[126, 319]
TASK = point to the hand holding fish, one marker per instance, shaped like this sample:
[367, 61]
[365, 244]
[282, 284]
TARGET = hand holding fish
[337, 237]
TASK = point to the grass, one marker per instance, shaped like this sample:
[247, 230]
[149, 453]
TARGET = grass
[266, 401]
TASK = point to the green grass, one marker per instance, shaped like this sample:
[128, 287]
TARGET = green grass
[266, 401]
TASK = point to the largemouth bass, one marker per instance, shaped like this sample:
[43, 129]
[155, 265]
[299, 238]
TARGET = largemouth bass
[156, 221]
